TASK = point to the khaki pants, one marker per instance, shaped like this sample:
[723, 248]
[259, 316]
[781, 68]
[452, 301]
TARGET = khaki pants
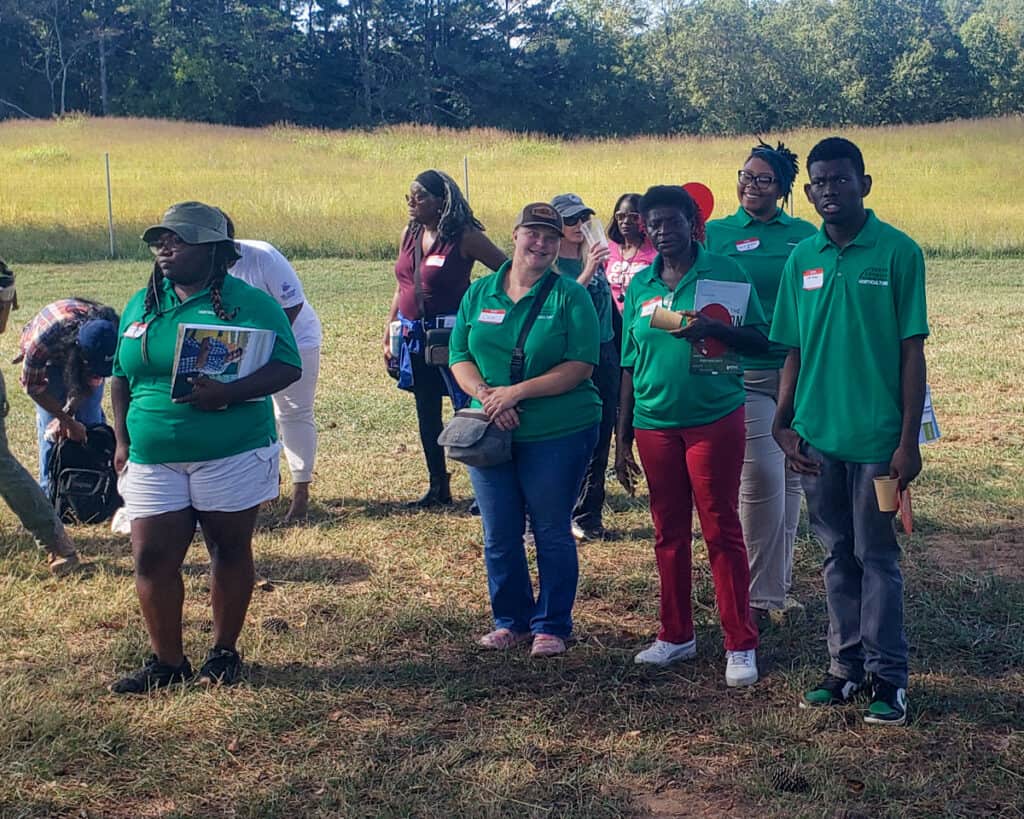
[21, 492]
[769, 497]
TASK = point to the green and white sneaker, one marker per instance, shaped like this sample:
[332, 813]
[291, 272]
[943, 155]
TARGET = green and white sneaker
[831, 690]
[888, 704]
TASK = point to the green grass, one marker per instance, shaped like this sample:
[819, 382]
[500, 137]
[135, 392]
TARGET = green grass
[319, 193]
[374, 701]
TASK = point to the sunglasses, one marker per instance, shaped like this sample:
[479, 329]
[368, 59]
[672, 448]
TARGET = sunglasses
[172, 242]
[579, 219]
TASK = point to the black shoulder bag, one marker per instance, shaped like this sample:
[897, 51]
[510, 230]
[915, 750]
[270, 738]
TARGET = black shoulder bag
[435, 347]
[470, 437]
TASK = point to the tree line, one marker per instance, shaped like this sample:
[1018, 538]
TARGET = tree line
[571, 67]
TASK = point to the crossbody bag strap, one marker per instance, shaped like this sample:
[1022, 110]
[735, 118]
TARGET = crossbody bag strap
[518, 364]
[417, 277]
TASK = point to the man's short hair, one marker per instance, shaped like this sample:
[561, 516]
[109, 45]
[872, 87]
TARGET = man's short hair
[833, 148]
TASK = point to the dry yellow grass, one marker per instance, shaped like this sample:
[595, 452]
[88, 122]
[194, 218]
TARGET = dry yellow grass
[317, 193]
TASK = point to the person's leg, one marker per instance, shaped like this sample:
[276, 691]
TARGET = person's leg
[881, 605]
[54, 386]
[428, 390]
[228, 537]
[159, 545]
[663, 457]
[762, 505]
[590, 506]
[502, 512]
[293, 408]
[550, 473]
[714, 460]
[829, 507]
[794, 497]
[26, 499]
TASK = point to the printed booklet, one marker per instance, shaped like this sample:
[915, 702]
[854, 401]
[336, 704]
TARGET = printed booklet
[725, 301]
[218, 351]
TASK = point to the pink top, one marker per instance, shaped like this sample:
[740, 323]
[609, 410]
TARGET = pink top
[620, 272]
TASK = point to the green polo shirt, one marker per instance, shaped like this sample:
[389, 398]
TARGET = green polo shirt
[847, 311]
[487, 328]
[761, 249]
[667, 395]
[164, 432]
[600, 294]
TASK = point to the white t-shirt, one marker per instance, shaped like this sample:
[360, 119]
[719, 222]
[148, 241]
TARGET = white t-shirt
[263, 267]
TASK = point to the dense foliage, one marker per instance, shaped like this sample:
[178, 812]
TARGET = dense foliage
[589, 67]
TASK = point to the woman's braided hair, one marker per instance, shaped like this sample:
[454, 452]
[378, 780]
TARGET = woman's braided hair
[223, 255]
[456, 214]
[783, 163]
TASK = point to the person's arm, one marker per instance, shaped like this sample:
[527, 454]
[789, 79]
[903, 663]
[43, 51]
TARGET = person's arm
[626, 468]
[69, 427]
[596, 256]
[393, 312]
[558, 380]
[906, 460]
[744, 340]
[788, 439]
[472, 382]
[475, 245]
[120, 398]
[208, 394]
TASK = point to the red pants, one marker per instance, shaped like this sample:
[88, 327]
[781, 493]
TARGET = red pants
[703, 463]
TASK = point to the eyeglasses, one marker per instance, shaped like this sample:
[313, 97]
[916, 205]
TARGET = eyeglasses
[631, 216]
[758, 180]
[169, 241]
[580, 219]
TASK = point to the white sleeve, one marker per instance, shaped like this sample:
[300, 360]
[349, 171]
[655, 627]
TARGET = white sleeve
[280, 278]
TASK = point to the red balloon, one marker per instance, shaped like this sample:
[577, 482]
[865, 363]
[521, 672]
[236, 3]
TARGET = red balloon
[703, 196]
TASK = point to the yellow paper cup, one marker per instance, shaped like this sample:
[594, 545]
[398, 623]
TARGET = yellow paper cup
[663, 319]
[887, 490]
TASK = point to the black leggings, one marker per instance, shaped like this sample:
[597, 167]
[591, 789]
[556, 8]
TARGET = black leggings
[428, 389]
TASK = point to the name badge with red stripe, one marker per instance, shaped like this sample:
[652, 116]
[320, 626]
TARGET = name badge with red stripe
[434, 260]
[492, 316]
[743, 245]
[814, 279]
[136, 329]
[647, 307]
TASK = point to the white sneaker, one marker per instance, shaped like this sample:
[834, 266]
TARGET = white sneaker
[740, 668]
[577, 531]
[663, 653]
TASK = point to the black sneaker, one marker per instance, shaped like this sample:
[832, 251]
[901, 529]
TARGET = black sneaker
[831, 690]
[223, 666]
[153, 675]
[888, 704]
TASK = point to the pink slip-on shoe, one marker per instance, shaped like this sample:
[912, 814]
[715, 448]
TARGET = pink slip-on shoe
[503, 638]
[547, 645]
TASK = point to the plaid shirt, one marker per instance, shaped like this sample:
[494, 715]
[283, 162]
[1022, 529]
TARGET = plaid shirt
[43, 333]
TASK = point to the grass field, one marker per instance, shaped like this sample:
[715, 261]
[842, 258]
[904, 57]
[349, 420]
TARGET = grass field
[366, 697]
[318, 193]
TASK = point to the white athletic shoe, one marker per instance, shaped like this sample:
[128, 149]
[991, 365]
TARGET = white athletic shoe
[740, 668]
[662, 653]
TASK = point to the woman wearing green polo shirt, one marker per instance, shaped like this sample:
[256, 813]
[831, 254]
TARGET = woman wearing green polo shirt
[553, 413]
[688, 426]
[759, 237]
[210, 456]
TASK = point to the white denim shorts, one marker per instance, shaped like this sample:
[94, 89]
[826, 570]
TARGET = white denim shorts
[222, 485]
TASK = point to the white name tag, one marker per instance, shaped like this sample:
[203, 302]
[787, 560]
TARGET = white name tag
[743, 245]
[647, 308]
[434, 261]
[492, 316]
[135, 330]
[814, 279]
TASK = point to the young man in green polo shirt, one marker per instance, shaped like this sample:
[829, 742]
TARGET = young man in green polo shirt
[851, 308]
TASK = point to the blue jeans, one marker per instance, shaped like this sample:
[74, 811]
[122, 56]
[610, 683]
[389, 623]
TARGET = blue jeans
[89, 412]
[543, 480]
[863, 581]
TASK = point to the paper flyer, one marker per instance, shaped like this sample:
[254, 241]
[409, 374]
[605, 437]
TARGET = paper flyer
[929, 425]
[217, 351]
[725, 301]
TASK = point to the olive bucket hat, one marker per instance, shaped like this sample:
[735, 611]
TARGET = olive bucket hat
[194, 222]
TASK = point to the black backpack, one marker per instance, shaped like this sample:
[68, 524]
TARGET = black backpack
[82, 480]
